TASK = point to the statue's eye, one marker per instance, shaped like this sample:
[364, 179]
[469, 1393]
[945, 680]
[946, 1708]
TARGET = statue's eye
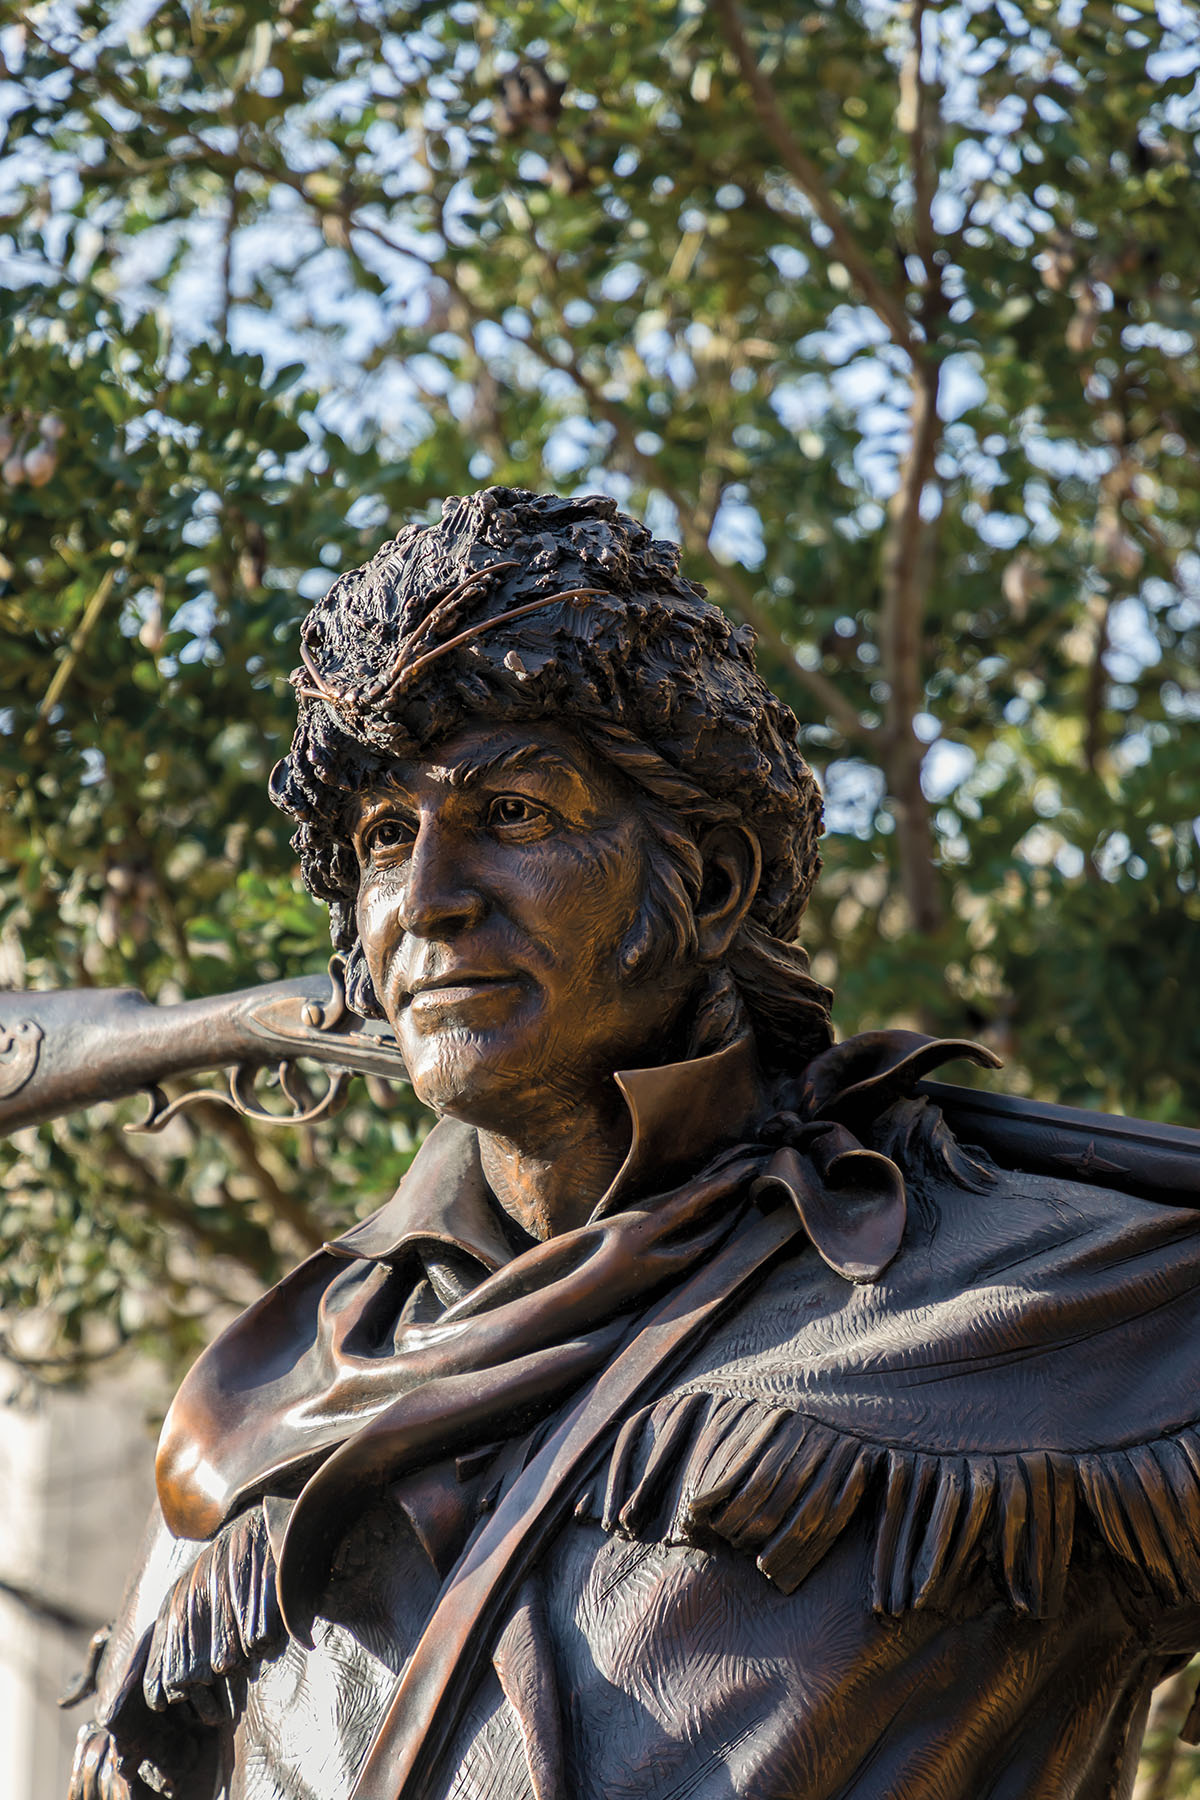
[518, 816]
[387, 834]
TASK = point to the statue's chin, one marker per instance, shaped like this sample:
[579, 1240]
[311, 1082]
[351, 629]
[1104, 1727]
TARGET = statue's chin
[506, 1082]
[467, 1075]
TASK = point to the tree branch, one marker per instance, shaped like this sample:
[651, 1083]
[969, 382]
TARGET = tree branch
[1159, 1760]
[171, 1209]
[883, 301]
[1093, 716]
[909, 538]
[251, 1158]
[903, 579]
[918, 117]
[840, 712]
[46, 1610]
[72, 654]
[228, 237]
[83, 631]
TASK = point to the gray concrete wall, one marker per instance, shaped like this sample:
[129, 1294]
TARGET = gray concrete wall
[76, 1477]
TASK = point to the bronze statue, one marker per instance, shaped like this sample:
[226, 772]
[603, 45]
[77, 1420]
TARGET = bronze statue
[701, 1417]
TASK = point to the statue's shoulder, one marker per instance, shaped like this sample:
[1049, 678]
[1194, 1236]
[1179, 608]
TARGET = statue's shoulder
[1024, 1375]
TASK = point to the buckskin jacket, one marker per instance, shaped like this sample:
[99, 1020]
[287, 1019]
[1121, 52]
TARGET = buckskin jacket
[827, 1462]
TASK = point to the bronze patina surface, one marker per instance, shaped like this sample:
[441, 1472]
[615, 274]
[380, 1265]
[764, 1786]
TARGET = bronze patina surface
[701, 1417]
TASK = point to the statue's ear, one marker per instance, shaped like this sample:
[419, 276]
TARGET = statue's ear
[732, 867]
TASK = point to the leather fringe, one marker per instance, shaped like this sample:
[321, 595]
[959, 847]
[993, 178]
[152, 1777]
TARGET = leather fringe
[783, 1488]
[219, 1616]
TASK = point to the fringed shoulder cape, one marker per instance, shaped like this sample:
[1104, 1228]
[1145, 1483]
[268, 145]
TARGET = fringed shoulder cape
[916, 1514]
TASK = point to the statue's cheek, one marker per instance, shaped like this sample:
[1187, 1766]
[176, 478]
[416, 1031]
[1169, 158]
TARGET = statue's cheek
[380, 914]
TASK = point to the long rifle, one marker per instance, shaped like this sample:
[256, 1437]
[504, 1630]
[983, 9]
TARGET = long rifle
[66, 1050]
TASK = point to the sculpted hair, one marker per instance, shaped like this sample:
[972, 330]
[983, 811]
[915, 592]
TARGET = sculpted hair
[520, 606]
[787, 1009]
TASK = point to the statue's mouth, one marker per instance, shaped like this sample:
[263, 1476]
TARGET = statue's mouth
[456, 978]
[457, 987]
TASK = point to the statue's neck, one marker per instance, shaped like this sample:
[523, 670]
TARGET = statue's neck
[551, 1180]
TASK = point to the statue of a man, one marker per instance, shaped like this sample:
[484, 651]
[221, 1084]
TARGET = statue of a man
[699, 1418]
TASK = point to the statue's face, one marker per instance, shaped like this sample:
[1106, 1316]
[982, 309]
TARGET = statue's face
[501, 874]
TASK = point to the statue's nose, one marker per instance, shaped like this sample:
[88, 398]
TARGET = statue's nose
[440, 895]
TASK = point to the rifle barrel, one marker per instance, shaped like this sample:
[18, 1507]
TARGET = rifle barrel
[1138, 1156]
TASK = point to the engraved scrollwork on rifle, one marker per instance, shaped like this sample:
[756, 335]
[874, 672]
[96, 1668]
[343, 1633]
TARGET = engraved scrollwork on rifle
[20, 1047]
[243, 1099]
[315, 1021]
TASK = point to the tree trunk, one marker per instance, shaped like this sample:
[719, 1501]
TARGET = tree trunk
[905, 578]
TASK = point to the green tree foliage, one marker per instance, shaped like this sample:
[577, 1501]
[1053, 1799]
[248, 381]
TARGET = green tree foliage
[886, 312]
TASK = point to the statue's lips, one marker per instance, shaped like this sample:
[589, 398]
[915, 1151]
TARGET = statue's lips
[458, 987]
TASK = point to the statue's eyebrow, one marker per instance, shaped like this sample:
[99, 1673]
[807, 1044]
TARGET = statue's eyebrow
[473, 769]
[482, 766]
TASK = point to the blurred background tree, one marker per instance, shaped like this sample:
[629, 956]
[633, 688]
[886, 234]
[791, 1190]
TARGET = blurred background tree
[886, 312]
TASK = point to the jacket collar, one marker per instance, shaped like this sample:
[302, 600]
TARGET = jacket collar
[681, 1114]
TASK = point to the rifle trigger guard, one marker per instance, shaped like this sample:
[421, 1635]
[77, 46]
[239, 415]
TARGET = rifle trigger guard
[243, 1099]
[242, 1095]
[323, 1031]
